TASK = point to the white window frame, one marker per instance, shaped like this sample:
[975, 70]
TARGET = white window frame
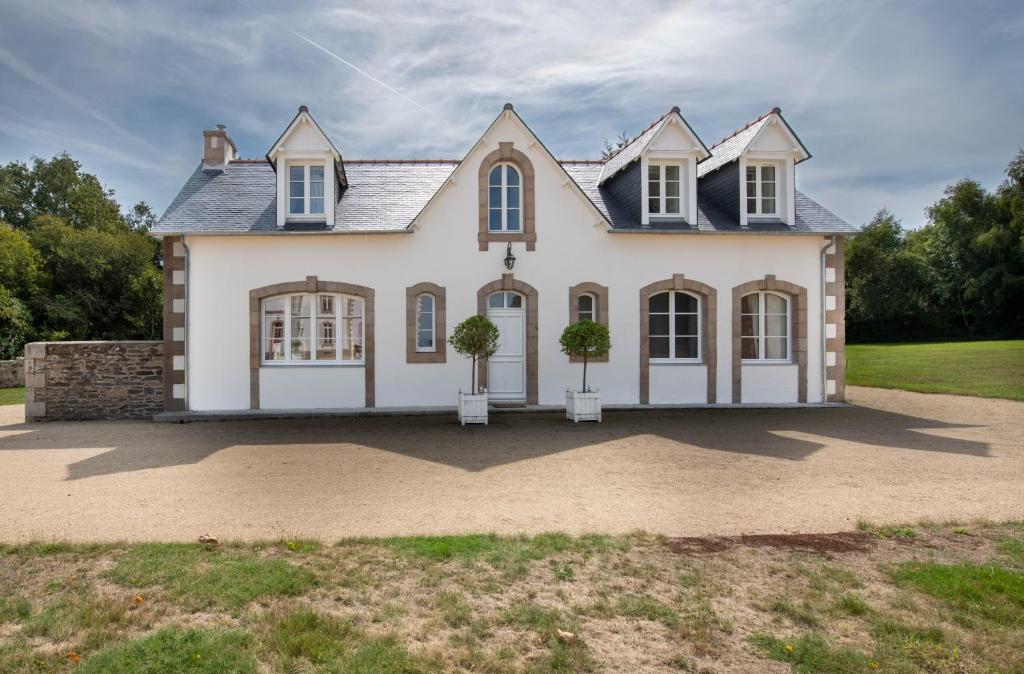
[593, 307]
[758, 197]
[433, 323]
[683, 186]
[339, 322]
[672, 328]
[762, 306]
[306, 166]
[504, 198]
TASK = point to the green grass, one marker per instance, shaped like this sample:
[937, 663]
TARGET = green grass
[988, 369]
[201, 577]
[975, 592]
[196, 651]
[12, 396]
[811, 653]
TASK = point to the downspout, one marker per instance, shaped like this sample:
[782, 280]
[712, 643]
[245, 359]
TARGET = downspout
[824, 352]
[188, 311]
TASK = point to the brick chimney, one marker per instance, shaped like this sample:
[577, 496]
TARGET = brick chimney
[218, 149]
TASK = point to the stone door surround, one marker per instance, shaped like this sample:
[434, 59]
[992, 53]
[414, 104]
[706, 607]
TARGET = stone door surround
[506, 282]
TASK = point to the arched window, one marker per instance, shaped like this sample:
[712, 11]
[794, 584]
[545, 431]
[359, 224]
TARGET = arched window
[674, 326]
[505, 300]
[586, 307]
[425, 325]
[764, 327]
[311, 328]
[504, 199]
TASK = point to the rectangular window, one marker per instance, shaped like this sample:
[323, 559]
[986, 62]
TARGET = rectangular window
[425, 322]
[303, 329]
[664, 189]
[674, 327]
[306, 189]
[761, 195]
[764, 327]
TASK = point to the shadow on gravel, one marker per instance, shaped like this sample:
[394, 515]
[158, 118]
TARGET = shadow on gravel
[785, 434]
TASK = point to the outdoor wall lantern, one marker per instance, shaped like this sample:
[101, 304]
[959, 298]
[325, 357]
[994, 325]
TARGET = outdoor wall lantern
[510, 259]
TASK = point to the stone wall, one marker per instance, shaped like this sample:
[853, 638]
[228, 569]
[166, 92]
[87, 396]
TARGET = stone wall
[12, 373]
[93, 380]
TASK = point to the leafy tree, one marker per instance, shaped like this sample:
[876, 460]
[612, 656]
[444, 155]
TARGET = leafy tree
[475, 338]
[585, 339]
[15, 325]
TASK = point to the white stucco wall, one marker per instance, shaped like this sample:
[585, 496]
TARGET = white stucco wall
[572, 247]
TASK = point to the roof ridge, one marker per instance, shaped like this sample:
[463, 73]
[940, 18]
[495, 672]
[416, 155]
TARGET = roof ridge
[581, 161]
[403, 161]
[776, 110]
[674, 108]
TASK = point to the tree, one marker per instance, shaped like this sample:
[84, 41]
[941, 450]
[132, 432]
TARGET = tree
[610, 150]
[586, 339]
[475, 338]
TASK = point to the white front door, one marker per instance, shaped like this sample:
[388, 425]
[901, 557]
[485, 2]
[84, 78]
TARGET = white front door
[506, 369]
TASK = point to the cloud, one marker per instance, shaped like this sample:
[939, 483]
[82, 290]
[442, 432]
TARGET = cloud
[891, 98]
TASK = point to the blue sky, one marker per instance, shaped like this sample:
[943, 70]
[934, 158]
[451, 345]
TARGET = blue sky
[894, 99]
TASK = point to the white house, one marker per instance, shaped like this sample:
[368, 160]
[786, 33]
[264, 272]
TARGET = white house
[307, 281]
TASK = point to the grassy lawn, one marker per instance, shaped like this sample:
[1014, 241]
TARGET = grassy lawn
[988, 369]
[12, 396]
[924, 598]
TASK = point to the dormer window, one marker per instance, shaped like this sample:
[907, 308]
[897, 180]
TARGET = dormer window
[761, 180]
[504, 199]
[663, 189]
[305, 189]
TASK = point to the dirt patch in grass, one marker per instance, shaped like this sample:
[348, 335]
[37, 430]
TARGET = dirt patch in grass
[846, 541]
[917, 598]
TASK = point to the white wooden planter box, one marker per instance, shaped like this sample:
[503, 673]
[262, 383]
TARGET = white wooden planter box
[580, 406]
[472, 408]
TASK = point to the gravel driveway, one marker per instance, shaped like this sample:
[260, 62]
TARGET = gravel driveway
[891, 456]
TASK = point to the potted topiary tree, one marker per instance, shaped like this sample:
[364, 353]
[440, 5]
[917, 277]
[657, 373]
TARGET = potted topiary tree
[586, 340]
[475, 338]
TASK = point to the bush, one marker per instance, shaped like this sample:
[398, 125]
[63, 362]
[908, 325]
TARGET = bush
[475, 338]
[585, 339]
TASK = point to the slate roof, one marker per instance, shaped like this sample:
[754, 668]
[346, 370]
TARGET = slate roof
[811, 217]
[732, 146]
[382, 196]
[632, 150]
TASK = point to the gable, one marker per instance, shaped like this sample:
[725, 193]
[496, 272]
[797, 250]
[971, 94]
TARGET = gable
[774, 137]
[672, 137]
[304, 136]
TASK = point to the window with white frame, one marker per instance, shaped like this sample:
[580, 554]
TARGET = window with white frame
[761, 182]
[664, 187]
[504, 199]
[505, 300]
[425, 324]
[305, 189]
[674, 327]
[312, 328]
[764, 327]
[586, 308]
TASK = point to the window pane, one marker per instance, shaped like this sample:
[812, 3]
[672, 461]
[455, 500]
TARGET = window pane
[654, 189]
[512, 176]
[749, 304]
[658, 303]
[768, 174]
[425, 304]
[672, 173]
[300, 347]
[316, 205]
[658, 347]
[300, 305]
[494, 180]
[751, 174]
[671, 189]
[657, 324]
[774, 304]
[767, 190]
[352, 339]
[512, 219]
[496, 301]
[775, 326]
[296, 205]
[585, 308]
[494, 196]
[326, 343]
[513, 197]
[273, 338]
[515, 301]
[654, 205]
[751, 205]
[425, 320]
[653, 173]
[749, 347]
[325, 305]
[768, 206]
[316, 189]
[352, 306]
[775, 347]
[274, 307]
[297, 174]
[494, 222]
[424, 339]
[686, 303]
[748, 326]
[686, 347]
[686, 324]
[671, 204]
